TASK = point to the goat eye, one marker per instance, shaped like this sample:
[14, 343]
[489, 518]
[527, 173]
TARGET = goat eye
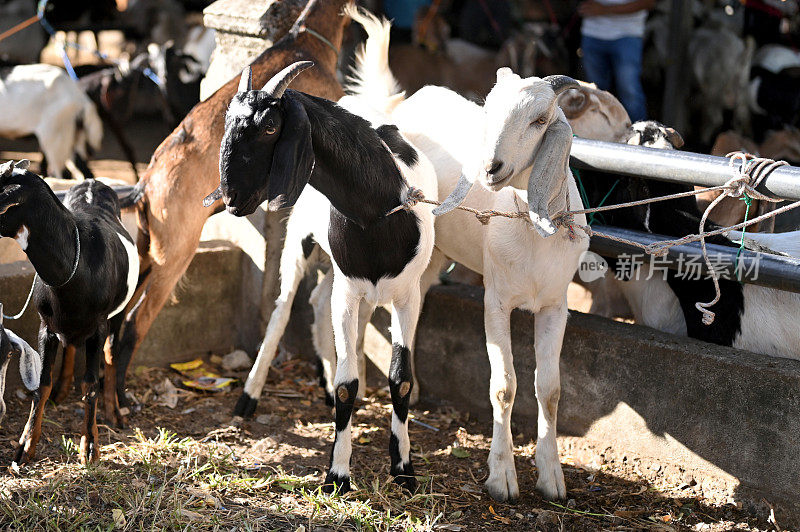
[270, 129]
[539, 121]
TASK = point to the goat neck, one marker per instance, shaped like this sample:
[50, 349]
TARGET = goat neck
[354, 169]
[46, 231]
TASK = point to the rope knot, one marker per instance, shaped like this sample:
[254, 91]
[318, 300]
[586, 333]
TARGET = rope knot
[484, 217]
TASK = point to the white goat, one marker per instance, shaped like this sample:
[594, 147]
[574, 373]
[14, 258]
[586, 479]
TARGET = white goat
[526, 145]
[42, 100]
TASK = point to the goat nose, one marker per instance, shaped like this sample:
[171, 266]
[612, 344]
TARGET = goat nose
[494, 167]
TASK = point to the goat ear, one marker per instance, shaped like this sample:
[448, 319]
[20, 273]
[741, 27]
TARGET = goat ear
[456, 197]
[632, 137]
[547, 181]
[6, 168]
[293, 158]
[573, 102]
[22, 164]
[504, 73]
[30, 362]
[674, 137]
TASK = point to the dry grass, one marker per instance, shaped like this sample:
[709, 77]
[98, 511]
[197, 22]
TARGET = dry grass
[189, 469]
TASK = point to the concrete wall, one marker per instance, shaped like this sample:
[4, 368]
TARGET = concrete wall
[726, 416]
[206, 300]
[721, 413]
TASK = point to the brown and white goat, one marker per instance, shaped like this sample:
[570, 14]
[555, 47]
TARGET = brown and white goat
[186, 165]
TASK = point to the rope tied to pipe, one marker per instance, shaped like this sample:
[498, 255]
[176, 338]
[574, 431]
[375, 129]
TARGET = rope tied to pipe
[749, 175]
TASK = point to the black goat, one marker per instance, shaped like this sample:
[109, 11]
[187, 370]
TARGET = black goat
[277, 141]
[86, 271]
[113, 91]
[179, 76]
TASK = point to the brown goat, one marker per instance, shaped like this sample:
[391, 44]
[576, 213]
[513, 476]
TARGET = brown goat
[185, 167]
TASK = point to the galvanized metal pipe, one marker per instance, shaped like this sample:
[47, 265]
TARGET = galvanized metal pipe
[675, 166]
[773, 271]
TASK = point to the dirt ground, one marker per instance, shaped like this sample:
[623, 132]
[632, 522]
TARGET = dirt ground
[190, 467]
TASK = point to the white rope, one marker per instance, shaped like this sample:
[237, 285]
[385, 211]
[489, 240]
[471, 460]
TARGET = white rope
[751, 172]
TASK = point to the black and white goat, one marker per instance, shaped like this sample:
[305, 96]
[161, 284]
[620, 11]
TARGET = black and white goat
[30, 363]
[86, 271]
[751, 317]
[276, 142]
[519, 140]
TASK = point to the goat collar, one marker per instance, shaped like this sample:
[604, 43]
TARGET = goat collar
[77, 258]
[321, 38]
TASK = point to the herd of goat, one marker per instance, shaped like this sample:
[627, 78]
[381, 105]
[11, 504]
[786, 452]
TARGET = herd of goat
[352, 172]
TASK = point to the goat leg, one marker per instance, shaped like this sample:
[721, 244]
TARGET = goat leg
[67, 374]
[113, 390]
[90, 443]
[48, 346]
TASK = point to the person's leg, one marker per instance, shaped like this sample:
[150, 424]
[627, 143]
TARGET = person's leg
[596, 62]
[627, 66]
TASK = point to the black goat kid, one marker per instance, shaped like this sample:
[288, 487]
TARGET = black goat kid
[86, 266]
[276, 142]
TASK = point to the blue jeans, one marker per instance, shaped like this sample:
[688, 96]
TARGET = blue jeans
[616, 66]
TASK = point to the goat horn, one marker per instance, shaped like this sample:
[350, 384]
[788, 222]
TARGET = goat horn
[281, 80]
[209, 200]
[246, 81]
[561, 83]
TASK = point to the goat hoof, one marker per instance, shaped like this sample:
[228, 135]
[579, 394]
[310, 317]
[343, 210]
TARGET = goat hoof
[503, 488]
[404, 477]
[551, 484]
[336, 483]
[245, 406]
[90, 451]
[21, 457]
[406, 482]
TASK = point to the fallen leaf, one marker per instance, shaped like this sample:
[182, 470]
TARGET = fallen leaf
[119, 518]
[504, 520]
[194, 516]
[363, 440]
[459, 452]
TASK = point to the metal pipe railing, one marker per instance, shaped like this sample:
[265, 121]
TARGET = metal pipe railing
[675, 166]
[773, 271]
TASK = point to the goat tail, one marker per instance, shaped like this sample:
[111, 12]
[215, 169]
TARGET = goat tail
[371, 78]
[134, 197]
[92, 124]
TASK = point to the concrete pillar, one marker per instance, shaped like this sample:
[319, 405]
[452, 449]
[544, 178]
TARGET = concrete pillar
[244, 29]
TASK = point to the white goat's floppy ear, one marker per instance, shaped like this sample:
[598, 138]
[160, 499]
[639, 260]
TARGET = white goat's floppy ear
[548, 175]
[246, 81]
[30, 362]
[456, 197]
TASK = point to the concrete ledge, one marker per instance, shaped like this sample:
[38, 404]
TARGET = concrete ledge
[719, 412]
[206, 301]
